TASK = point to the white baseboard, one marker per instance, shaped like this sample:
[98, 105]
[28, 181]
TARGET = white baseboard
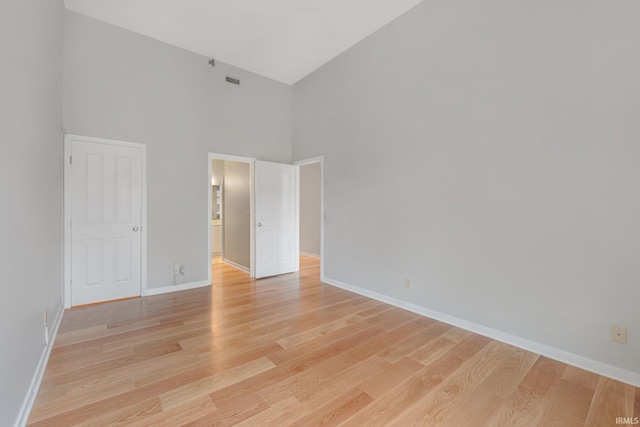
[309, 254]
[176, 288]
[236, 265]
[32, 392]
[599, 368]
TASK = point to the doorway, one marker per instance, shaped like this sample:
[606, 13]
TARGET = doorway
[273, 226]
[312, 209]
[231, 211]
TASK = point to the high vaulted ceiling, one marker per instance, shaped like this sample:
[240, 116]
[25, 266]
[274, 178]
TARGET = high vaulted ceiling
[281, 39]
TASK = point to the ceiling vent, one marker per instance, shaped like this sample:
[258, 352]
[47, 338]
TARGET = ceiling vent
[232, 80]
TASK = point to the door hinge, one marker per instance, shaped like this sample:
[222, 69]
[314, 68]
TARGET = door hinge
[70, 160]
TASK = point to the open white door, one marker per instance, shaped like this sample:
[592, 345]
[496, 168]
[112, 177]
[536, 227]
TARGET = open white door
[106, 218]
[276, 219]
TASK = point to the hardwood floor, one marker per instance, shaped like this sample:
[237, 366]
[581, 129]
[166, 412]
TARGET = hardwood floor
[290, 350]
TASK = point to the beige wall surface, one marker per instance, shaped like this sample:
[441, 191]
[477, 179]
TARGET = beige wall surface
[503, 137]
[30, 189]
[236, 218]
[310, 208]
[125, 86]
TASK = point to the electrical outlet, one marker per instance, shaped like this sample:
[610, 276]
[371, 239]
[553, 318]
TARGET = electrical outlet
[407, 282]
[46, 327]
[178, 273]
[619, 334]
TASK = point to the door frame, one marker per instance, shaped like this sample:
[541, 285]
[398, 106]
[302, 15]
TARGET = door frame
[68, 139]
[251, 161]
[309, 161]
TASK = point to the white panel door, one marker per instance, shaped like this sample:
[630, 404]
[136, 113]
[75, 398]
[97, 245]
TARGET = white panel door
[106, 213]
[276, 227]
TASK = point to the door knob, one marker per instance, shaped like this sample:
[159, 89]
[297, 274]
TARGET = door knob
[135, 229]
[259, 224]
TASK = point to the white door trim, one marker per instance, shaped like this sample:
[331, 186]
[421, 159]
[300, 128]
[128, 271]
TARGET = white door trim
[68, 138]
[251, 161]
[309, 161]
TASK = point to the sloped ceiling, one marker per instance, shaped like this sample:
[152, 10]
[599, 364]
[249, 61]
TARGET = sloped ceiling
[281, 39]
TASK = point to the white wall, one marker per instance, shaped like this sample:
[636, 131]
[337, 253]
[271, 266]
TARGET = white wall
[125, 86]
[236, 217]
[505, 138]
[30, 189]
[310, 209]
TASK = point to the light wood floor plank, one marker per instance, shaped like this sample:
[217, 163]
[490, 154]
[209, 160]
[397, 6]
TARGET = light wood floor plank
[189, 412]
[432, 350]
[479, 410]
[482, 406]
[290, 350]
[188, 392]
[277, 415]
[128, 415]
[306, 379]
[558, 412]
[529, 402]
[611, 399]
[336, 409]
[581, 377]
[317, 395]
[311, 334]
[451, 395]
[399, 372]
[400, 398]
[506, 378]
